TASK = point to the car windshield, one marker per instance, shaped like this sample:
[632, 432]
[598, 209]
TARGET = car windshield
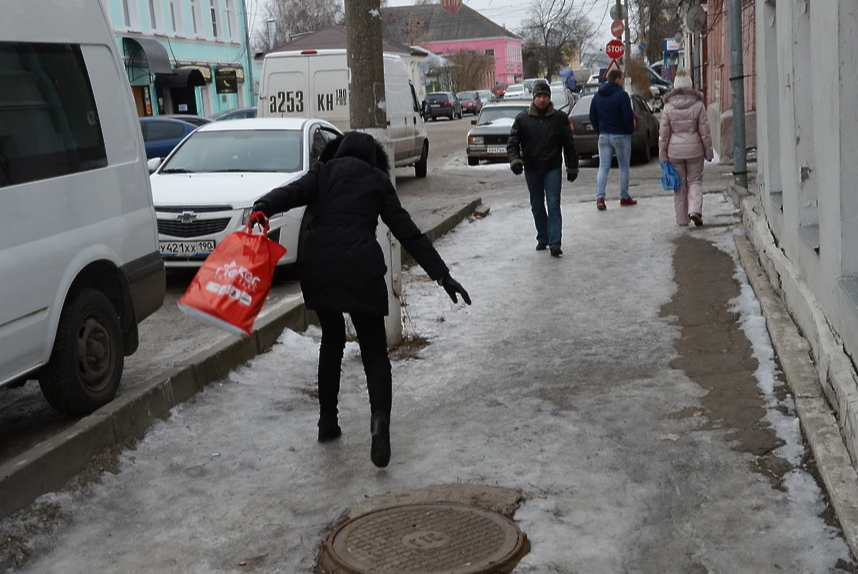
[582, 107]
[558, 96]
[489, 115]
[238, 151]
[467, 95]
[438, 97]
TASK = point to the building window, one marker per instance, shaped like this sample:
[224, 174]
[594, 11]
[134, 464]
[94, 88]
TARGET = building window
[154, 14]
[176, 17]
[130, 14]
[214, 17]
[231, 20]
[50, 121]
[490, 52]
[196, 17]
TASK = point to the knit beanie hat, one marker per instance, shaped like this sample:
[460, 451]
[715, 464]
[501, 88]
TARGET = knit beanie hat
[683, 79]
[541, 88]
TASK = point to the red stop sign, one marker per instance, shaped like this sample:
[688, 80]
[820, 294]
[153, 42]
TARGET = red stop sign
[617, 28]
[451, 6]
[615, 49]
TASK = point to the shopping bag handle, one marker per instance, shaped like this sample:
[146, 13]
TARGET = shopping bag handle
[253, 219]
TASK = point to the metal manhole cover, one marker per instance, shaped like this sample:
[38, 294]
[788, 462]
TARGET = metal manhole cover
[425, 539]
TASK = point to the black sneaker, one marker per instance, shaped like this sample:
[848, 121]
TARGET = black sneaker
[541, 246]
[556, 252]
[329, 428]
[380, 452]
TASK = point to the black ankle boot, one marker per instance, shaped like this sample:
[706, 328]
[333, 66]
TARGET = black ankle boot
[380, 427]
[329, 429]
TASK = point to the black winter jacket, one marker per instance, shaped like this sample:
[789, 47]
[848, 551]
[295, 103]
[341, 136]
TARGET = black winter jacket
[343, 265]
[539, 138]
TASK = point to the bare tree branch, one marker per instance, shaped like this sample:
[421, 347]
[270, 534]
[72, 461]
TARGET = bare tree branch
[297, 17]
[555, 33]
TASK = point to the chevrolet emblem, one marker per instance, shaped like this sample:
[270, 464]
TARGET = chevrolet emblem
[187, 217]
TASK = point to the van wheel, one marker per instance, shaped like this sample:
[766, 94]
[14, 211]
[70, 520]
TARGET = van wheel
[422, 165]
[86, 363]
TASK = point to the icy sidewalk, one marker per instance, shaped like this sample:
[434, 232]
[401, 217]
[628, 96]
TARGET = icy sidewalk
[557, 381]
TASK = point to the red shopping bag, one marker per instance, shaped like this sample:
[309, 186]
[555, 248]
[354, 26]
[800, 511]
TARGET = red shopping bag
[230, 288]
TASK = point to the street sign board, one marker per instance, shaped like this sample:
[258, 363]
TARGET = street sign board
[451, 6]
[617, 28]
[615, 49]
[618, 12]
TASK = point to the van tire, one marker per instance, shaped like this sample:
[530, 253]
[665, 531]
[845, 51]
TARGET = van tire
[422, 165]
[74, 384]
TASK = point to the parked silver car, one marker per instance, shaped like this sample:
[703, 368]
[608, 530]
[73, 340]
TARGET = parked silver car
[488, 139]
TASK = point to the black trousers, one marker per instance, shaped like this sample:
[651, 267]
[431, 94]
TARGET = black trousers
[372, 339]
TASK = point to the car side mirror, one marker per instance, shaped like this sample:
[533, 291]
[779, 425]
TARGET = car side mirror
[473, 122]
[154, 164]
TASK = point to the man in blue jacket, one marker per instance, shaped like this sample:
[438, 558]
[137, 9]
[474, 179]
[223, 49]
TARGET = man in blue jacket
[613, 119]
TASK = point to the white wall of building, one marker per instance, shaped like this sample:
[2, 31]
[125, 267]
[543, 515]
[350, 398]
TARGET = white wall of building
[807, 81]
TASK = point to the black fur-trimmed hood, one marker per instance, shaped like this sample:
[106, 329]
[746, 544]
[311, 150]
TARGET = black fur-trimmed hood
[360, 146]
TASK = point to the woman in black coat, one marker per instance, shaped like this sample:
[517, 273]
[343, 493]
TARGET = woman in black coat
[343, 269]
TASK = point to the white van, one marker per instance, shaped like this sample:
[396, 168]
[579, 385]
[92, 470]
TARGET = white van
[79, 260]
[315, 84]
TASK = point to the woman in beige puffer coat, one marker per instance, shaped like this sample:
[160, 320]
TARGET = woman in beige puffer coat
[685, 141]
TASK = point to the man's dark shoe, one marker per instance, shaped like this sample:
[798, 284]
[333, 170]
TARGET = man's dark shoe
[541, 246]
[697, 219]
[628, 201]
[380, 427]
[600, 204]
[556, 252]
[329, 429]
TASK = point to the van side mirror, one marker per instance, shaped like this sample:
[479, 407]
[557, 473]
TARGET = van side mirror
[154, 164]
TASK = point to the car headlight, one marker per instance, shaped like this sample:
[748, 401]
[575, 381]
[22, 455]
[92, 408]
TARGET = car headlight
[245, 215]
[475, 140]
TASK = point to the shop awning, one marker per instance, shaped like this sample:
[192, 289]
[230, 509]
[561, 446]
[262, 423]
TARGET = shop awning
[150, 52]
[182, 78]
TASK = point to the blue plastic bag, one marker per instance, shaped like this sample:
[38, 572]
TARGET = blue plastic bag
[669, 178]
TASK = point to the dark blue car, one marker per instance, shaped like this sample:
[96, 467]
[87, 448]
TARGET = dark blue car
[162, 135]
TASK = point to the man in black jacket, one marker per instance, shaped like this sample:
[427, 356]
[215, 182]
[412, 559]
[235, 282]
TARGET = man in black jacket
[343, 269]
[538, 140]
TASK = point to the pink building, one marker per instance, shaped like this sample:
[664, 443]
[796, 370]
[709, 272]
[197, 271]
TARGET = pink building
[716, 87]
[429, 27]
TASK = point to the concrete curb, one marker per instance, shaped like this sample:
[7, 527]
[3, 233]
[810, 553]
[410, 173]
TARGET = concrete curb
[52, 463]
[817, 418]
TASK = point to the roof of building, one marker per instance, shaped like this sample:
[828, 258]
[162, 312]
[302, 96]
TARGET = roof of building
[333, 38]
[429, 23]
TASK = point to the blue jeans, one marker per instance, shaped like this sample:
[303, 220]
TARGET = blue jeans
[610, 145]
[544, 186]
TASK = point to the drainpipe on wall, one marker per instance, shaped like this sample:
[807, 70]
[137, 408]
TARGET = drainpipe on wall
[245, 22]
[737, 82]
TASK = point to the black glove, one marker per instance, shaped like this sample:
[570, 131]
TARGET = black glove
[571, 174]
[517, 166]
[452, 287]
[256, 220]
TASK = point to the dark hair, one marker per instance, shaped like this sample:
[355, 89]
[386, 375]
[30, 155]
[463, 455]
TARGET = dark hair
[614, 75]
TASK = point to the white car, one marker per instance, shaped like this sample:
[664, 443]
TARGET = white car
[516, 92]
[206, 187]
